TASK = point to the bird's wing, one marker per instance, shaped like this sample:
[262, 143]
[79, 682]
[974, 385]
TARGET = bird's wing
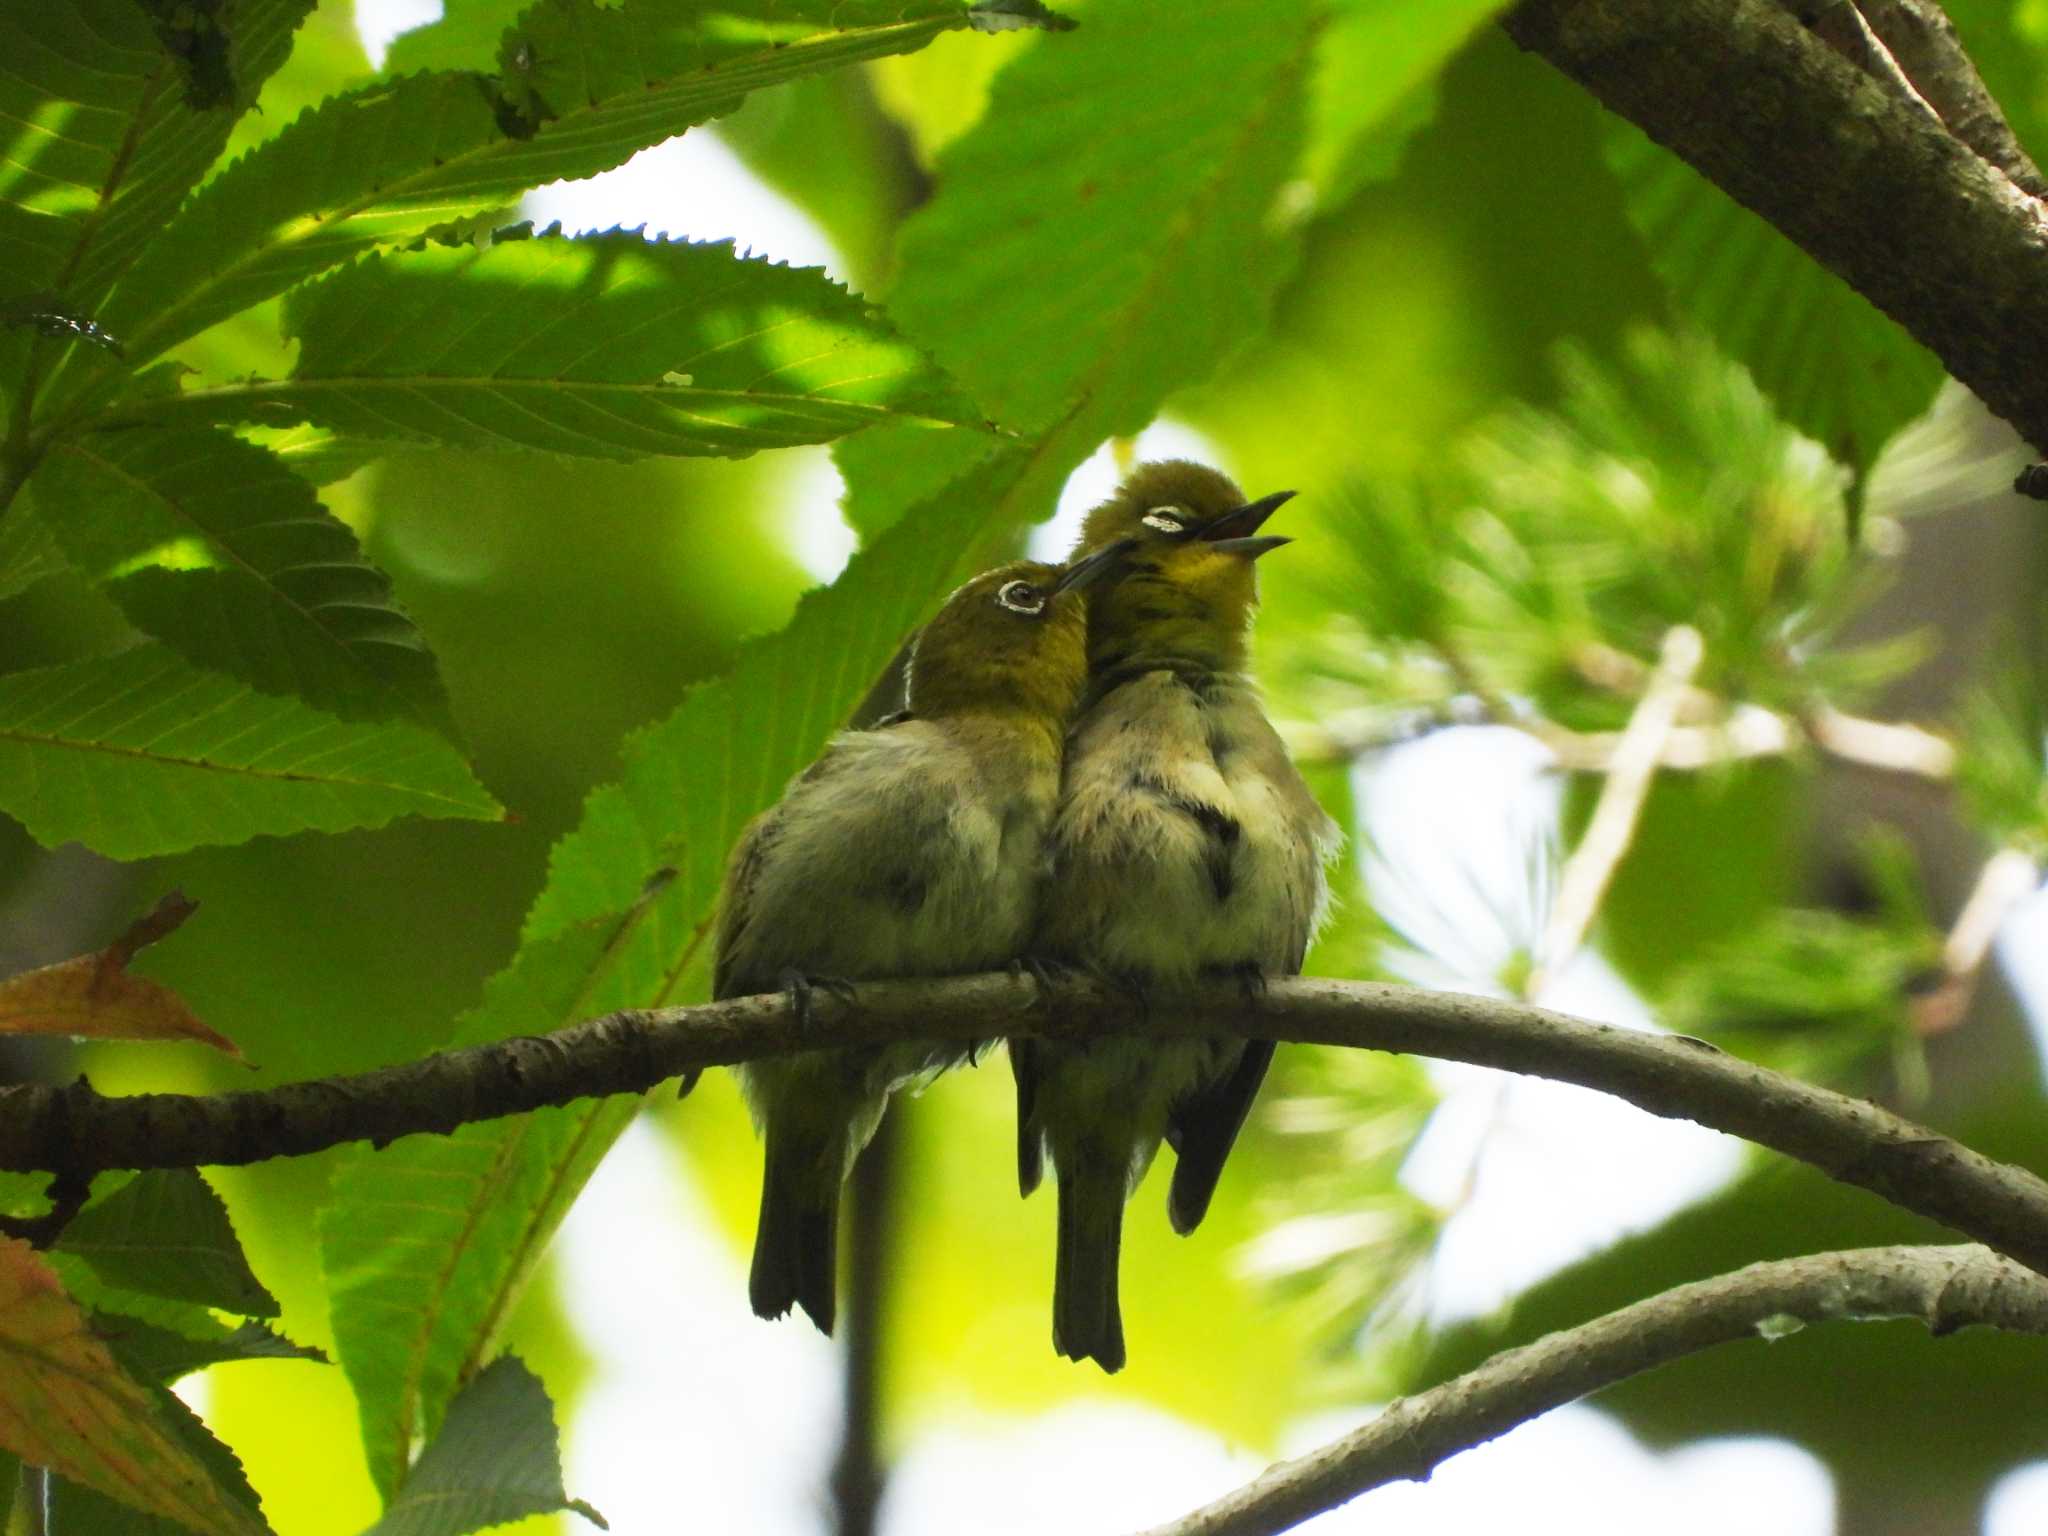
[1203, 1127]
[730, 975]
[735, 902]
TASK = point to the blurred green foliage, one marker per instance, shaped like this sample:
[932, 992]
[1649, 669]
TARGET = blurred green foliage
[1546, 395]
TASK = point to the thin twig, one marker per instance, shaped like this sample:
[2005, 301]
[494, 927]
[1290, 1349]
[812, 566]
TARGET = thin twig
[1889, 745]
[1590, 869]
[2008, 878]
[630, 1051]
[1944, 1288]
[1740, 733]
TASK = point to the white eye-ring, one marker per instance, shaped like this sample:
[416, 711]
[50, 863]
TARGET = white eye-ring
[1021, 597]
[1166, 520]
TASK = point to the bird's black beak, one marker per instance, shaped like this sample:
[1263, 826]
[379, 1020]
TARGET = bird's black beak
[1232, 531]
[1090, 567]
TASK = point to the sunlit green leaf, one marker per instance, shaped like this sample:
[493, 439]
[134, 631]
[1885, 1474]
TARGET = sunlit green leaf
[465, 36]
[107, 128]
[611, 347]
[1376, 64]
[1063, 265]
[582, 86]
[315, 454]
[216, 548]
[138, 753]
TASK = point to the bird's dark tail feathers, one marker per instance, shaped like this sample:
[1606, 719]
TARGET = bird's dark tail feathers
[1086, 1321]
[796, 1245]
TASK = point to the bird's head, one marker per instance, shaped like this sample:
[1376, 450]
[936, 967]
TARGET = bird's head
[1186, 588]
[1011, 641]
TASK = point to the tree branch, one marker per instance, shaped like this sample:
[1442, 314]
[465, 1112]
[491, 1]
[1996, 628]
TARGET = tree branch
[1923, 41]
[77, 1130]
[1919, 223]
[1945, 1288]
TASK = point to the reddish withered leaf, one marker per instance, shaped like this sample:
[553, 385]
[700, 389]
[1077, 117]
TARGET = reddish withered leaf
[66, 1405]
[94, 997]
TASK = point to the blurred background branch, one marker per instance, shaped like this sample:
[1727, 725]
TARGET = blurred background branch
[1946, 1289]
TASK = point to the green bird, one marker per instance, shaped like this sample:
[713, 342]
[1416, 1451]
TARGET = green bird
[1186, 846]
[913, 849]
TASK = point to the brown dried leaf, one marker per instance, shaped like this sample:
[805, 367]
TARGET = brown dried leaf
[93, 996]
[66, 1405]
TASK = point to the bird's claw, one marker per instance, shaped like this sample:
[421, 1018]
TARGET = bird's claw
[801, 991]
[1046, 974]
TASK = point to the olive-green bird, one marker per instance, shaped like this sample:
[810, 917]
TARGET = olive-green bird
[1186, 846]
[914, 849]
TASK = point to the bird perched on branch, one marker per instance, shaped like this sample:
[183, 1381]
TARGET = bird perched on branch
[915, 849]
[1186, 846]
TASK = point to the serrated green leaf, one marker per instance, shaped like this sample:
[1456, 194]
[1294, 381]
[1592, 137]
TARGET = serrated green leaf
[316, 455]
[466, 36]
[582, 87]
[166, 1233]
[1076, 265]
[212, 545]
[428, 1243]
[609, 347]
[138, 754]
[497, 1458]
[160, 1338]
[165, 1354]
[103, 136]
[1836, 369]
[890, 469]
[1376, 64]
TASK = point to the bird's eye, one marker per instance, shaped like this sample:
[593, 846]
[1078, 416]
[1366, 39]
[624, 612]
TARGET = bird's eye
[1166, 520]
[1021, 597]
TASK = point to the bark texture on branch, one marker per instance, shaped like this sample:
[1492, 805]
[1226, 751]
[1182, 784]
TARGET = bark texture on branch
[77, 1131]
[1930, 231]
[1944, 1288]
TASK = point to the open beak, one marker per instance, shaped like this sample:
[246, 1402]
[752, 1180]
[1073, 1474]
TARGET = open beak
[1087, 569]
[1232, 531]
